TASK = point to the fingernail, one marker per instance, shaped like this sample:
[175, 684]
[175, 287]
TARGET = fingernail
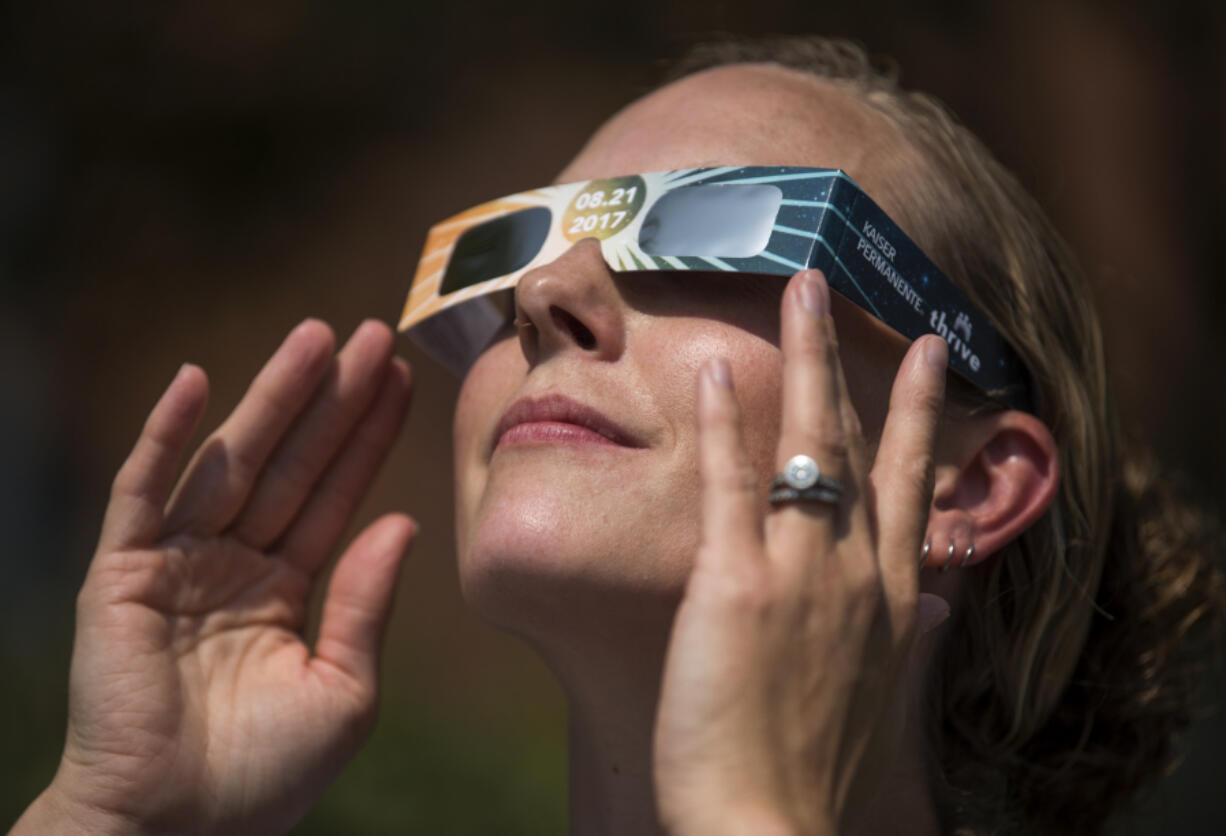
[400, 539]
[719, 372]
[933, 610]
[813, 294]
[936, 352]
[370, 324]
[306, 323]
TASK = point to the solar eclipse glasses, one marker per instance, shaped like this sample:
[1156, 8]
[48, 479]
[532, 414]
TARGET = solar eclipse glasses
[743, 219]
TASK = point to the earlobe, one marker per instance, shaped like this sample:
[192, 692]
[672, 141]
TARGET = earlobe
[1002, 475]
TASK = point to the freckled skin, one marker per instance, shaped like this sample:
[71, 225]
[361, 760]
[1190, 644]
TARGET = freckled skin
[604, 536]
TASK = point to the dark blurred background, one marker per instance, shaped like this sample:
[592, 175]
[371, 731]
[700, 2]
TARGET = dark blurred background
[186, 181]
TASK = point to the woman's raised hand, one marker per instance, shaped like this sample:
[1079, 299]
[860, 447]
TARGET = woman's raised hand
[782, 701]
[194, 704]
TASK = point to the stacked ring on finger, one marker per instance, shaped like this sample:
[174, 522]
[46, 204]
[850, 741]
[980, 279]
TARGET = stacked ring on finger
[802, 481]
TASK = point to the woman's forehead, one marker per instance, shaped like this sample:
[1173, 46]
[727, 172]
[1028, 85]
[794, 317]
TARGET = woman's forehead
[751, 114]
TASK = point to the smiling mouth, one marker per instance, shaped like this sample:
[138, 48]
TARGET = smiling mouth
[557, 419]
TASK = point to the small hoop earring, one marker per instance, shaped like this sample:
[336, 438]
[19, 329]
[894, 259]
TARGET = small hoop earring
[966, 558]
[949, 558]
[924, 552]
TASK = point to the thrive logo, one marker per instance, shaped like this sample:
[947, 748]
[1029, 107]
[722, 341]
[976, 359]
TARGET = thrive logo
[958, 336]
[962, 324]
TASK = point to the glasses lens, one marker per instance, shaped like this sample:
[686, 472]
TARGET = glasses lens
[496, 248]
[720, 221]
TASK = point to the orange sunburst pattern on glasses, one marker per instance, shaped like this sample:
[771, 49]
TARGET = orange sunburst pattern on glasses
[424, 300]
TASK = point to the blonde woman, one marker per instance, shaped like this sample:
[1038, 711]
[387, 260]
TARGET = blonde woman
[743, 652]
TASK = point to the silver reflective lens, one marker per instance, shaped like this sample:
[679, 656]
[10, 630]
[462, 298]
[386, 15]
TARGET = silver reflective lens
[719, 221]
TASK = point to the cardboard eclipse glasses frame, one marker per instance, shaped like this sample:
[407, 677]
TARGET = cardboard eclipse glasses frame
[745, 219]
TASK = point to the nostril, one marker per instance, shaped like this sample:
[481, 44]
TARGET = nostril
[568, 322]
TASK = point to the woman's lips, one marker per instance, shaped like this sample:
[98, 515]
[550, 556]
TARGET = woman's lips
[556, 419]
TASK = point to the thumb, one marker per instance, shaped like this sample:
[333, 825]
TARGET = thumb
[359, 599]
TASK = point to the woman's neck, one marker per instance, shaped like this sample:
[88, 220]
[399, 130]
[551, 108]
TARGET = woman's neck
[613, 697]
[611, 788]
[612, 689]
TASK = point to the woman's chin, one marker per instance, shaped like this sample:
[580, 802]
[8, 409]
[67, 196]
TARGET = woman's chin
[535, 567]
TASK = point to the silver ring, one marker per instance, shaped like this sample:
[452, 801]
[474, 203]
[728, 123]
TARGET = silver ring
[814, 494]
[803, 480]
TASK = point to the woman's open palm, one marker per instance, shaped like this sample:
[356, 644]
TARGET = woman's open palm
[194, 702]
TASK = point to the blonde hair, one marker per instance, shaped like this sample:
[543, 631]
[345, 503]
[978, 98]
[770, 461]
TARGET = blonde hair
[1069, 666]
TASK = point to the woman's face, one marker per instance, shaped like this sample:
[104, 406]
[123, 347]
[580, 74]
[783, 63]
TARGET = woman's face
[575, 440]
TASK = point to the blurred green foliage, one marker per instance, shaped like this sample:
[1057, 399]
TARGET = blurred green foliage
[432, 769]
[433, 765]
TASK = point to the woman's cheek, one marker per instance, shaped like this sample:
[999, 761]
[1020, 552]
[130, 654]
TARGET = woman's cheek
[484, 394]
[757, 377]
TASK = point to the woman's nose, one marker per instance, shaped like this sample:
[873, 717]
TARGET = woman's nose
[571, 304]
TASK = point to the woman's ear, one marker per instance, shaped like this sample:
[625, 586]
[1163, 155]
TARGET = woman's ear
[996, 475]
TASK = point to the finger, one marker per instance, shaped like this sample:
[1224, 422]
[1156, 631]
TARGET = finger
[730, 522]
[138, 494]
[222, 472]
[325, 513]
[347, 390]
[902, 472]
[812, 422]
[359, 598]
